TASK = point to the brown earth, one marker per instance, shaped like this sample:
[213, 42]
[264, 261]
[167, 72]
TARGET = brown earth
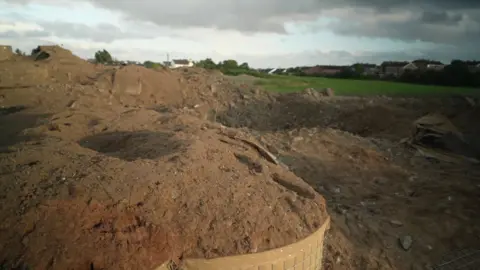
[125, 168]
[124, 161]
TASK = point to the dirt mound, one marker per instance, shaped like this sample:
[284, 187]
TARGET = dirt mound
[124, 168]
[6, 52]
[48, 65]
[55, 53]
[166, 186]
[136, 85]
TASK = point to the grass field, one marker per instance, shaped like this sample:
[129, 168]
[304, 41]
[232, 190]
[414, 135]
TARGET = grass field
[348, 87]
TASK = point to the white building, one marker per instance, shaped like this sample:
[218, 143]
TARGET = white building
[178, 63]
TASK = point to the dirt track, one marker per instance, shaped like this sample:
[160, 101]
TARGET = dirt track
[146, 166]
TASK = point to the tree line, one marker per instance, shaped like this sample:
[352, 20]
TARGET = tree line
[457, 73]
[229, 67]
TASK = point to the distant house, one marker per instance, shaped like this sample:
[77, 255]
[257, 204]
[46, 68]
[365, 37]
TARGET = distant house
[371, 70]
[323, 70]
[474, 68]
[272, 71]
[435, 67]
[395, 68]
[278, 71]
[178, 63]
[424, 65]
[410, 67]
[365, 69]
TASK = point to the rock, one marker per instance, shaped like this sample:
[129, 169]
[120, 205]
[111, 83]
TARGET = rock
[406, 242]
[341, 209]
[396, 223]
[297, 139]
[338, 259]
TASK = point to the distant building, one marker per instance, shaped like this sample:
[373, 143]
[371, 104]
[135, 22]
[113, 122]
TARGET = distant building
[365, 69]
[435, 67]
[178, 63]
[272, 71]
[474, 68]
[395, 69]
[323, 70]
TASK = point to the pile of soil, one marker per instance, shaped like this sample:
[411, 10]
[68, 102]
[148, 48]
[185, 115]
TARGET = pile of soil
[6, 52]
[124, 170]
[49, 65]
[126, 167]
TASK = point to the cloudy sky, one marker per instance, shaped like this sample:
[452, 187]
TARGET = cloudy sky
[264, 33]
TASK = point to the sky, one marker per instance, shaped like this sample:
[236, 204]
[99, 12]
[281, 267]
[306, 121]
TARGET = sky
[263, 33]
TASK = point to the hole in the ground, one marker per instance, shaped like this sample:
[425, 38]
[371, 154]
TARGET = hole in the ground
[11, 110]
[301, 110]
[132, 145]
[161, 108]
[14, 125]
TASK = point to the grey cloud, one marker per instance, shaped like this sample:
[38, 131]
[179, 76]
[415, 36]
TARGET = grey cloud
[452, 28]
[454, 22]
[429, 16]
[439, 21]
[102, 32]
[261, 15]
[26, 34]
[441, 17]
[9, 34]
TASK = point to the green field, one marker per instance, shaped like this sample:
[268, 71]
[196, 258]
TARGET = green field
[349, 87]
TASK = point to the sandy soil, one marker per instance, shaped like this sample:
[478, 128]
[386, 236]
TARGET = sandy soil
[125, 168]
[125, 161]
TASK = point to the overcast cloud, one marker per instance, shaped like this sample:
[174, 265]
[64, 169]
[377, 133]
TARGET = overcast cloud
[407, 20]
[255, 30]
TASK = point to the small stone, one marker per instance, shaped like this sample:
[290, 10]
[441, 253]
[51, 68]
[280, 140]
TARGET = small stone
[406, 242]
[297, 139]
[396, 223]
[25, 241]
[341, 209]
[338, 259]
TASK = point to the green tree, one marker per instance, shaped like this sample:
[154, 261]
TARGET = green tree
[229, 64]
[207, 63]
[150, 64]
[103, 57]
[244, 66]
[19, 52]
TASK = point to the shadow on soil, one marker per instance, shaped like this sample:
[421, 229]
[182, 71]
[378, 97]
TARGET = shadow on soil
[390, 118]
[297, 110]
[132, 145]
[371, 195]
[13, 121]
